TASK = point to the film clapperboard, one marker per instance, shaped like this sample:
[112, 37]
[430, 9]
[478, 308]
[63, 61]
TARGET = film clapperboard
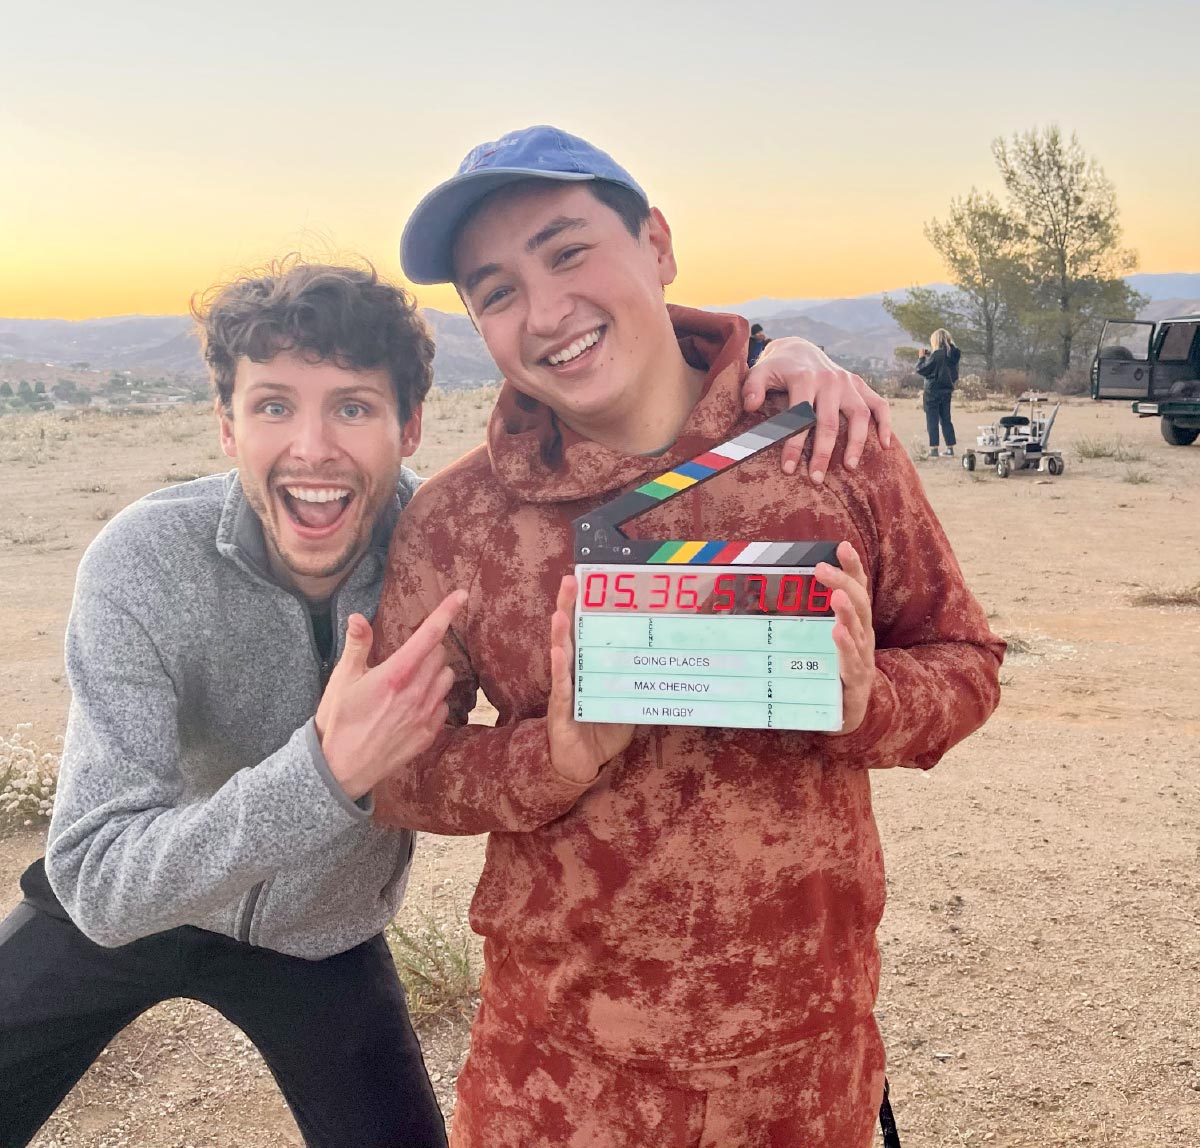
[700, 632]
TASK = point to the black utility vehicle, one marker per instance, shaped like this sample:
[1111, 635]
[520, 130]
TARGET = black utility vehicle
[1158, 364]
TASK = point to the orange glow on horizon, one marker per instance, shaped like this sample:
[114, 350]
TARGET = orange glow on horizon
[91, 283]
[142, 241]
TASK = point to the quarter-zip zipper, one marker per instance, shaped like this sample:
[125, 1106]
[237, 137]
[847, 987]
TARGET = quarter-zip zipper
[243, 933]
[324, 665]
[324, 669]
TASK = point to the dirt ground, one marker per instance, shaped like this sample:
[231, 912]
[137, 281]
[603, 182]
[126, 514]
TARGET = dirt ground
[1041, 945]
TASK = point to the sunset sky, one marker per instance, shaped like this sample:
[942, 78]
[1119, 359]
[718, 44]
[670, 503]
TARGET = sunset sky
[150, 150]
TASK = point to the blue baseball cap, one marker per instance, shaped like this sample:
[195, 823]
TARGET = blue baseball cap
[540, 152]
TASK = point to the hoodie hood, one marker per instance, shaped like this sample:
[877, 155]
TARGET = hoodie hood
[538, 459]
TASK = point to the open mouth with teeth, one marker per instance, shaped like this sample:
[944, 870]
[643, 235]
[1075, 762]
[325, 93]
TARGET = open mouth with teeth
[577, 352]
[316, 511]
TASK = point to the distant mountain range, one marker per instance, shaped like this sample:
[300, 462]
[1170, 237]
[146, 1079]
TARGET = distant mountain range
[165, 345]
[857, 330]
[860, 313]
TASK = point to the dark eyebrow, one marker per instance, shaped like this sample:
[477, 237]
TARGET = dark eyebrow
[479, 275]
[554, 227]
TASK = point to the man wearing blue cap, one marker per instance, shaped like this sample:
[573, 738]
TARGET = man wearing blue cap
[543, 151]
[679, 922]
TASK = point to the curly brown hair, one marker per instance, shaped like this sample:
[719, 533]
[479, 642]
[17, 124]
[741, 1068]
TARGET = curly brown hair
[344, 315]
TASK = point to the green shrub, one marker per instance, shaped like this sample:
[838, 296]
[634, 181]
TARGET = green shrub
[438, 969]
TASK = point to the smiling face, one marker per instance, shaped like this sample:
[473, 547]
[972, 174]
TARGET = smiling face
[570, 304]
[319, 450]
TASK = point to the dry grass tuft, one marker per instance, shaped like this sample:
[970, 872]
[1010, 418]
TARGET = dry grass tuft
[25, 535]
[1115, 448]
[28, 780]
[1189, 596]
[971, 388]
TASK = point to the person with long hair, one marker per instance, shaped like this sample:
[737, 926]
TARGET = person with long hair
[940, 372]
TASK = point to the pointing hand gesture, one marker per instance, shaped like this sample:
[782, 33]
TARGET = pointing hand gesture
[372, 722]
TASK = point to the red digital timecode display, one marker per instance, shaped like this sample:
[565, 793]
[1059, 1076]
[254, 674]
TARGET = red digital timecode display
[711, 591]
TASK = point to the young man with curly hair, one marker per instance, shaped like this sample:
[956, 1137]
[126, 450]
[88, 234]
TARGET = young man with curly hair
[211, 837]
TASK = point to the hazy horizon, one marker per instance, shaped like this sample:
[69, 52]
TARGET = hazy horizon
[458, 309]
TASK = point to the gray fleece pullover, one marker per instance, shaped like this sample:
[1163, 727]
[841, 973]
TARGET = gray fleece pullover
[193, 789]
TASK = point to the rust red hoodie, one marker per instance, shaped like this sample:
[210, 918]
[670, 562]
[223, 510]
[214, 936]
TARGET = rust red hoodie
[714, 893]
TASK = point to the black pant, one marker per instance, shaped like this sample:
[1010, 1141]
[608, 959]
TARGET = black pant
[937, 410]
[335, 1032]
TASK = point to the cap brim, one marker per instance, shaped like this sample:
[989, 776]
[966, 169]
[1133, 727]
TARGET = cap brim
[425, 252]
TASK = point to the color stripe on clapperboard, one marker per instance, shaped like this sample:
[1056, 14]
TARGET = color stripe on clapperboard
[706, 553]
